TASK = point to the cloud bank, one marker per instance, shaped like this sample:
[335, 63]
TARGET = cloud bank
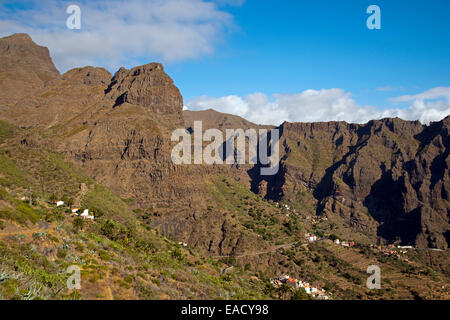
[325, 105]
[119, 32]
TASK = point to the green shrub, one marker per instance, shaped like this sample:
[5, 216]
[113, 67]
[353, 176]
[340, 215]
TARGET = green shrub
[22, 213]
[79, 246]
[104, 255]
[61, 254]
[78, 223]
[68, 200]
[109, 230]
[129, 278]
[300, 294]
[333, 237]
[177, 254]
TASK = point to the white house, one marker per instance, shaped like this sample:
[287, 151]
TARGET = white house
[283, 277]
[59, 203]
[85, 214]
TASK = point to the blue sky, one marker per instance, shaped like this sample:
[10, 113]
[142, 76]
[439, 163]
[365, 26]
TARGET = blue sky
[221, 53]
[289, 46]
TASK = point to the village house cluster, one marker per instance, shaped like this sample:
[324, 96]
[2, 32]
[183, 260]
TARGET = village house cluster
[77, 211]
[85, 214]
[290, 211]
[312, 238]
[390, 250]
[297, 284]
[286, 207]
[349, 244]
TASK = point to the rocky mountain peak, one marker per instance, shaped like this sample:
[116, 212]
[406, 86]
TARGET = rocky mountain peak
[19, 37]
[147, 86]
[24, 68]
[88, 75]
[19, 50]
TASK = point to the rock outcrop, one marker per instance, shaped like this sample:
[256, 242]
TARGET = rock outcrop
[88, 76]
[25, 67]
[388, 178]
[148, 86]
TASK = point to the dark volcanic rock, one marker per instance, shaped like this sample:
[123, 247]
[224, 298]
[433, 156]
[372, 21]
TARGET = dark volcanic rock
[147, 86]
[387, 178]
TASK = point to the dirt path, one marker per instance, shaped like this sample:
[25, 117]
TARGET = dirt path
[53, 123]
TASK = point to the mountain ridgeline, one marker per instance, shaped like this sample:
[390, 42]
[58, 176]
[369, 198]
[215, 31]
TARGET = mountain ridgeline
[105, 141]
[387, 179]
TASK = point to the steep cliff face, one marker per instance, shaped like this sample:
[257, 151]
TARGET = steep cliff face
[147, 86]
[25, 67]
[123, 139]
[387, 178]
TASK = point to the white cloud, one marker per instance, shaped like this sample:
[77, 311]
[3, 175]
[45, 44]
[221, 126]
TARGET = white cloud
[434, 93]
[120, 32]
[325, 105]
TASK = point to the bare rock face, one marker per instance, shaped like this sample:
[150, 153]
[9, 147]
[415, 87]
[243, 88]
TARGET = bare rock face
[24, 68]
[88, 75]
[388, 178]
[76, 94]
[147, 86]
[212, 119]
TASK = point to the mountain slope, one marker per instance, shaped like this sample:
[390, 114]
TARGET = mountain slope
[387, 178]
[381, 182]
[119, 255]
